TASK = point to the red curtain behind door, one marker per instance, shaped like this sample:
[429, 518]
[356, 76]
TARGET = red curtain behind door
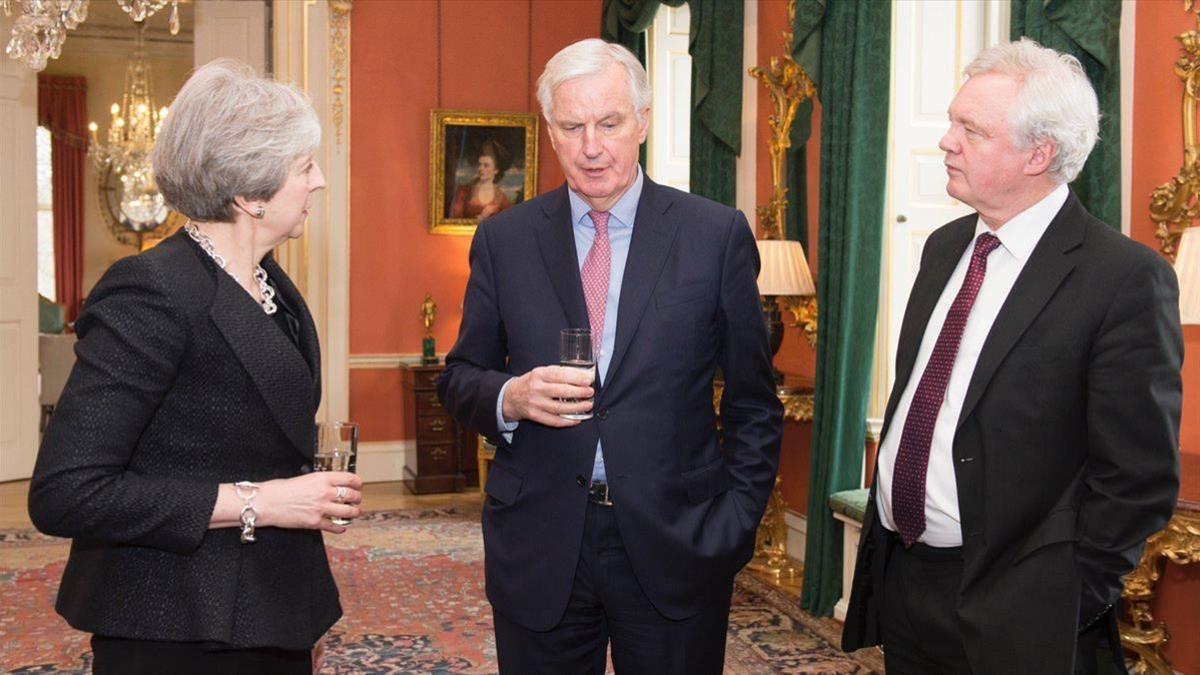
[62, 108]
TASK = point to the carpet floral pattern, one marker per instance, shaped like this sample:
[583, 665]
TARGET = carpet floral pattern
[412, 590]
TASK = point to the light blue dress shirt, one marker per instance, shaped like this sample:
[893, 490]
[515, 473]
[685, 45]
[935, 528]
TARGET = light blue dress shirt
[620, 233]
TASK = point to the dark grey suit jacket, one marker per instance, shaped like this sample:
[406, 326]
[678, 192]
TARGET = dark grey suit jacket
[1066, 450]
[183, 382]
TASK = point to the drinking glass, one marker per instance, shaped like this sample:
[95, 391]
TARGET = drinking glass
[337, 449]
[575, 351]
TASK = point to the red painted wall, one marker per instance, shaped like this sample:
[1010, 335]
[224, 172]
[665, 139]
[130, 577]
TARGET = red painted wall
[1157, 157]
[491, 53]
[795, 356]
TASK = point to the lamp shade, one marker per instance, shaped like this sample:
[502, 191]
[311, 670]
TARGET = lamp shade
[1187, 266]
[784, 269]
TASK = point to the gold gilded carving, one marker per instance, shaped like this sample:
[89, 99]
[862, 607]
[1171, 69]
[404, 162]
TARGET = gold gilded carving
[788, 86]
[1174, 205]
[1178, 543]
[339, 60]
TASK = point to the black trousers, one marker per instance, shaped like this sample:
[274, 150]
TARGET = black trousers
[920, 631]
[119, 656]
[608, 605]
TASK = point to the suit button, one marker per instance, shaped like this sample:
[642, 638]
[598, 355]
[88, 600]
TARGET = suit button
[581, 481]
[603, 414]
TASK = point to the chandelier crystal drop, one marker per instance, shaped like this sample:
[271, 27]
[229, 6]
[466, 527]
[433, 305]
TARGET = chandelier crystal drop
[41, 26]
[131, 135]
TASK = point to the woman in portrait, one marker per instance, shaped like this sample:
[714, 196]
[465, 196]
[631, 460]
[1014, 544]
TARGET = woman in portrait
[482, 197]
[179, 457]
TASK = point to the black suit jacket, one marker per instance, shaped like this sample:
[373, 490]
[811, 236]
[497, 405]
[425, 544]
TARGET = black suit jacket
[1066, 451]
[687, 503]
[182, 382]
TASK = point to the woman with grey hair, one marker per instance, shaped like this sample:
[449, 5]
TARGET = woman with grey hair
[179, 458]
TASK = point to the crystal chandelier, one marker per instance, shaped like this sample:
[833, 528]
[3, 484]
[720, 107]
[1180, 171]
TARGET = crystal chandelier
[126, 154]
[41, 26]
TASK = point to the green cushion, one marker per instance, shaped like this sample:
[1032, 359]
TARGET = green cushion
[850, 503]
[51, 317]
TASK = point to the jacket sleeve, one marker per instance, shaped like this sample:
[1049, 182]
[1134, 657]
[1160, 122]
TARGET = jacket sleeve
[751, 414]
[131, 340]
[1134, 404]
[476, 366]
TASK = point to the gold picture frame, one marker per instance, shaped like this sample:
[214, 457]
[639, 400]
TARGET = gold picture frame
[460, 145]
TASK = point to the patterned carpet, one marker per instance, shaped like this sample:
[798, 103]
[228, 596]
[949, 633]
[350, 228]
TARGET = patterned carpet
[412, 589]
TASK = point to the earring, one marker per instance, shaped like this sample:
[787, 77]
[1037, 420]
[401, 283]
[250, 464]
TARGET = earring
[260, 212]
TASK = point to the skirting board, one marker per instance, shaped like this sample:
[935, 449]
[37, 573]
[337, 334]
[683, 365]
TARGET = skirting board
[797, 533]
[382, 461]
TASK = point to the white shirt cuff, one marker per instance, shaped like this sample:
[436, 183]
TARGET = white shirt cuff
[506, 428]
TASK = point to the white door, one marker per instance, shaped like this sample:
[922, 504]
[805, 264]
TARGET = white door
[18, 267]
[670, 70]
[233, 28]
[932, 42]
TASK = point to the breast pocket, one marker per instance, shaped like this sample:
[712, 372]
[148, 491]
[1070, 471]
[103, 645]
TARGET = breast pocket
[681, 297]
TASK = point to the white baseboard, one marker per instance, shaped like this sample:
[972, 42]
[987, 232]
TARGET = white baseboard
[383, 461]
[797, 539]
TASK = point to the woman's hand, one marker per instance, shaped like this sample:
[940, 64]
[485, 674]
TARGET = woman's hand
[308, 502]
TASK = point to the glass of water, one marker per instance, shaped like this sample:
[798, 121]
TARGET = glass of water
[575, 351]
[337, 448]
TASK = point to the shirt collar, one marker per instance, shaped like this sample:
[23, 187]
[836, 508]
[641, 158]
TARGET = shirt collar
[1020, 234]
[623, 212]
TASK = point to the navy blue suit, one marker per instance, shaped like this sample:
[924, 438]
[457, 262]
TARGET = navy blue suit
[687, 500]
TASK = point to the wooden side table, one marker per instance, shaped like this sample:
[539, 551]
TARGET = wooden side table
[444, 457]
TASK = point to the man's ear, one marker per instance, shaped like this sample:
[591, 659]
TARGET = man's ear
[1044, 152]
[643, 119]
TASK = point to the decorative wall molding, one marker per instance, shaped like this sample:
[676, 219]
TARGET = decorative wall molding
[311, 50]
[339, 61]
[386, 360]
[383, 461]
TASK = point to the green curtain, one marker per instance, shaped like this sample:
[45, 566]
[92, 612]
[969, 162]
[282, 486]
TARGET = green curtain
[715, 45]
[1090, 31]
[854, 72]
[806, 50]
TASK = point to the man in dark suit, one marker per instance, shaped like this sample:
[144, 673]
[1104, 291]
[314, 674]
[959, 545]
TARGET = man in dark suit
[627, 527]
[1030, 444]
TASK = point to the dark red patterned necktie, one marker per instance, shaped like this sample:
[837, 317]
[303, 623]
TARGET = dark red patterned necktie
[912, 460]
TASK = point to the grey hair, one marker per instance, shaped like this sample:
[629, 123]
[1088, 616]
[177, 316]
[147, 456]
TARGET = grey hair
[1056, 101]
[588, 57]
[230, 133]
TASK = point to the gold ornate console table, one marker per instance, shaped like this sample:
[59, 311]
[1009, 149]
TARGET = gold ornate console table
[1179, 543]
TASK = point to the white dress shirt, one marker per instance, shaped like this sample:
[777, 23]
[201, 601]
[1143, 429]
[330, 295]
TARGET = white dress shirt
[1018, 237]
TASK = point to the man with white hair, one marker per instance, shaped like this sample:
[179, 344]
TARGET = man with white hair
[1030, 442]
[627, 527]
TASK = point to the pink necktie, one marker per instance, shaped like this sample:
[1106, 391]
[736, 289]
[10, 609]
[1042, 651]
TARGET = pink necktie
[594, 276]
[912, 459]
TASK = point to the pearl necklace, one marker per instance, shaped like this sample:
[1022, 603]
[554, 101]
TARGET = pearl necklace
[260, 275]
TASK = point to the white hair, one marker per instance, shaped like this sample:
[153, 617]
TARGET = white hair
[588, 57]
[1056, 101]
[230, 133]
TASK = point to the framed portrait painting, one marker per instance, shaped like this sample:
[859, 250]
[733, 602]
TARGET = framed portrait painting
[479, 165]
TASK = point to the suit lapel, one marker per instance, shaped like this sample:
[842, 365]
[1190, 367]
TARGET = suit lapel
[648, 249]
[556, 240]
[310, 345]
[1043, 273]
[927, 289]
[272, 361]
